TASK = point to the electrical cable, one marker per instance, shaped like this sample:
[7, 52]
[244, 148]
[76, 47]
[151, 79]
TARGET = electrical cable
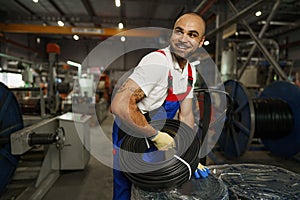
[273, 118]
[167, 173]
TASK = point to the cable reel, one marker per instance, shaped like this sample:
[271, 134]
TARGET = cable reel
[10, 121]
[272, 117]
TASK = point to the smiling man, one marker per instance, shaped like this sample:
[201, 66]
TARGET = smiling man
[160, 87]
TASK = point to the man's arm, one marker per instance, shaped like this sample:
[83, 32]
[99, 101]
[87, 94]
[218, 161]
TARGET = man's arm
[186, 114]
[124, 105]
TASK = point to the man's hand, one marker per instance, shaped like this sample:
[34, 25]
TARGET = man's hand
[201, 171]
[163, 141]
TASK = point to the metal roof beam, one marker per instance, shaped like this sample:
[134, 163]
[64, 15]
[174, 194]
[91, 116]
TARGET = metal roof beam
[21, 5]
[89, 8]
[60, 11]
[69, 30]
[88, 19]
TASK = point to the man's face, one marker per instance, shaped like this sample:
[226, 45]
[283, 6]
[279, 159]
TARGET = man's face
[187, 35]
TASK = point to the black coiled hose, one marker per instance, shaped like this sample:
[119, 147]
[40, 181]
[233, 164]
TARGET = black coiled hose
[168, 173]
[273, 118]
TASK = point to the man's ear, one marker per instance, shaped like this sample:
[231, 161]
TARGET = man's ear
[201, 41]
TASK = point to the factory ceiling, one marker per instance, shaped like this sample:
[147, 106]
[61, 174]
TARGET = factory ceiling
[101, 17]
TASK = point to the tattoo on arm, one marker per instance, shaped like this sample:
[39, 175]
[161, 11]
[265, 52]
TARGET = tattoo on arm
[122, 88]
[138, 94]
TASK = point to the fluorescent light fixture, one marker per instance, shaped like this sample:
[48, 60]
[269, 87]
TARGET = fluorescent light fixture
[35, 1]
[75, 64]
[279, 23]
[258, 13]
[118, 3]
[75, 37]
[60, 23]
[121, 25]
[123, 38]
[206, 42]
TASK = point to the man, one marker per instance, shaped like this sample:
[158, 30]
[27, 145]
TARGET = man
[162, 82]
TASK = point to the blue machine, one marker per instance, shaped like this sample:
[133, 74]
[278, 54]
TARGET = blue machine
[10, 121]
[273, 117]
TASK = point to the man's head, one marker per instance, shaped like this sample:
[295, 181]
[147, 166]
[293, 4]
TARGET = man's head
[188, 34]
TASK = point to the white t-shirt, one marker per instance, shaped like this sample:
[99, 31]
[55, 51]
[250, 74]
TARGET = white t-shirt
[151, 75]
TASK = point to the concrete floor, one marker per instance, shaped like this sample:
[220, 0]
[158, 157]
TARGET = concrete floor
[95, 182]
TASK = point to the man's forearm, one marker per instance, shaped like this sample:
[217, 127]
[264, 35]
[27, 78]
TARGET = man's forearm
[188, 119]
[138, 121]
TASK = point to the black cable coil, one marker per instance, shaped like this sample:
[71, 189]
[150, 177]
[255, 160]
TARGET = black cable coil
[273, 118]
[163, 174]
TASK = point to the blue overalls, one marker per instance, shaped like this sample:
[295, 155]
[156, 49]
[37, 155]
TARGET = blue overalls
[122, 186]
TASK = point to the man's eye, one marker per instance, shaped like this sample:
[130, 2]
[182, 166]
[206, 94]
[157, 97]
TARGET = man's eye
[178, 31]
[193, 35]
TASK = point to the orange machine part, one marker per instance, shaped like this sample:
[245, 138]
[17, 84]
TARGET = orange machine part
[53, 48]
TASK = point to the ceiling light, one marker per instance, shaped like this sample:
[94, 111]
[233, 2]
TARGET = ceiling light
[35, 1]
[118, 3]
[75, 37]
[123, 38]
[258, 13]
[120, 25]
[75, 64]
[60, 23]
[206, 42]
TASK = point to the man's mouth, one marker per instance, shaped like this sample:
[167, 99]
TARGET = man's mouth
[182, 46]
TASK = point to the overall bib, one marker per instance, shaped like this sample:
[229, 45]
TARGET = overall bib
[122, 186]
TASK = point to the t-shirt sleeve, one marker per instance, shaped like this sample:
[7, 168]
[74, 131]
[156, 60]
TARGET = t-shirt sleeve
[150, 72]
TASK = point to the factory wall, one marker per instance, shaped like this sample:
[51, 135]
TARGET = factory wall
[23, 46]
[289, 46]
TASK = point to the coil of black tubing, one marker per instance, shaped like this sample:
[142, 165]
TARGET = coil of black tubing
[169, 173]
[273, 118]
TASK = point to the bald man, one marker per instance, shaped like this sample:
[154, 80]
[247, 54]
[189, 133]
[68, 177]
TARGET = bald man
[160, 87]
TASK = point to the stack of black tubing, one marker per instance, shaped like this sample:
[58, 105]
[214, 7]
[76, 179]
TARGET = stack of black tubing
[167, 173]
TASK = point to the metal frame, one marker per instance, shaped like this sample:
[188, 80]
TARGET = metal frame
[235, 18]
[260, 35]
[261, 46]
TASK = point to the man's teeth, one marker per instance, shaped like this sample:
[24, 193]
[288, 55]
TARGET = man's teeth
[182, 46]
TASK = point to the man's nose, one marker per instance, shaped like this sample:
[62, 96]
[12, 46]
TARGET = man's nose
[183, 38]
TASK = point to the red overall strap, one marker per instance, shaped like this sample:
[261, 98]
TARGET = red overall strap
[161, 51]
[178, 97]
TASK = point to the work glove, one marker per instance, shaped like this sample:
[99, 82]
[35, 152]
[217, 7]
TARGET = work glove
[201, 172]
[163, 141]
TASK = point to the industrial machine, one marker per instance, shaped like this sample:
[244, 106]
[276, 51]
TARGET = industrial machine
[64, 140]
